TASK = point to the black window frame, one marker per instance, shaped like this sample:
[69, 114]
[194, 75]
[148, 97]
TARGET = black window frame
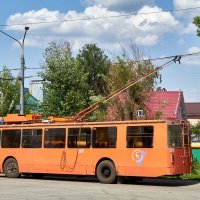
[34, 141]
[51, 141]
[141, 137]
[79, 137]
[15, 142]
[103, 140]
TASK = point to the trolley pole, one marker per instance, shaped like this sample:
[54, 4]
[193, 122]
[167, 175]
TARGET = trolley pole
[22, 61]
[22, 109]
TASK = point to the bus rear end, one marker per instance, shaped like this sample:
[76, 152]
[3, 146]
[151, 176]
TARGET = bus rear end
[179, 152]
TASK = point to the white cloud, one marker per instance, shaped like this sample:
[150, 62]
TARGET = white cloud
[147, 40]
[120, 5]
[186, 4]
[107, 32]
[193, 49]
[192, 60]
[155, 22]
[188, 14]
[190, 28]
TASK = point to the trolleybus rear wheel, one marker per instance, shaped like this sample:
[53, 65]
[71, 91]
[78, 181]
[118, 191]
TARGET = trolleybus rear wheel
[106, 172]
[10, 168]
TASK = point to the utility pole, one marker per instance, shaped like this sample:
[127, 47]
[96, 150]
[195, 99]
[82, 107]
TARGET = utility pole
[22, 61]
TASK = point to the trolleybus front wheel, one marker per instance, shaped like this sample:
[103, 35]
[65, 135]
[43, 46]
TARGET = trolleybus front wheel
[106, 172]
[10, 168]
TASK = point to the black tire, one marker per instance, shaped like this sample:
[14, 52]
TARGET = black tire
[106, 172]
[10, 168]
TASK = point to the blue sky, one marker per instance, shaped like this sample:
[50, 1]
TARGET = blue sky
[159, 34]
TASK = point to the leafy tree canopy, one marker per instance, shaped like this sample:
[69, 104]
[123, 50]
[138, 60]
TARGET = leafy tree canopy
[74, 83]
[127, 69]
[196, 21]
[95, 65]
[9, 92]
[65, 81]
[195, 131]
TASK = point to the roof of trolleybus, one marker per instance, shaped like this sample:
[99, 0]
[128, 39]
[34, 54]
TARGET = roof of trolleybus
[78, 124]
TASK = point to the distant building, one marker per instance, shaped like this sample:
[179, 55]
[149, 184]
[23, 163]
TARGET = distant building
[36, 89]
[166, 105]
[31, 101]
[193, 112]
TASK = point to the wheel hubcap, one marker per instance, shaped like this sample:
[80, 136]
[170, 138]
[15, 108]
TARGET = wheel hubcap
[106, 172]
[11, 168]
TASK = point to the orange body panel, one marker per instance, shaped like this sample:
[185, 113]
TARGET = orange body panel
[14, 118]
[145, 162]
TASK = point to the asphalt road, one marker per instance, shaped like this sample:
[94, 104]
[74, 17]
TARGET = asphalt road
[50, 188]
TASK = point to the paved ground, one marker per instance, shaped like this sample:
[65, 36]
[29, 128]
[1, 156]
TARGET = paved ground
[51, 188]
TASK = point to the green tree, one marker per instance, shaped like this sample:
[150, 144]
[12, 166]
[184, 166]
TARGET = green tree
[127, 69]
[64, 82]
[95, 64]
[196, 21]
[9, 92]
[195, 131]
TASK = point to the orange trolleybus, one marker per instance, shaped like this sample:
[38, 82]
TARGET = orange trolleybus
[146, 148]
[142, 148]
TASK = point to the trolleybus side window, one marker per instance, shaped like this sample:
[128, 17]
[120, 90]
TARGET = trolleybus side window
[139, 137]
[31, 138]
[11, 138]
[175, 138]
[54, 137]
[79, 138]
[104, 137]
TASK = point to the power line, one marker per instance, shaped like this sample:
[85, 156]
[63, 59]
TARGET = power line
[8, 79]
[143, 60]
[176, 58]
[102, 17]
[14, 69]
[15, 78]
[167, 57]
[33, 68]
[163, 58]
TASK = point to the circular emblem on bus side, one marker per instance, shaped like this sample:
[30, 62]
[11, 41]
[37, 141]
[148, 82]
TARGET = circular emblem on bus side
[138, 156]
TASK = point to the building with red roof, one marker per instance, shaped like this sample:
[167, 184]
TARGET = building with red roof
[166, 105]
[159, 105]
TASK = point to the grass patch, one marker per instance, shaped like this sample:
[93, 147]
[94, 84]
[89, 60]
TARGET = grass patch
[192, 176]
[195, 175]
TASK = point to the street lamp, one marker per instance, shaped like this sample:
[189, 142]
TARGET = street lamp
[22, 61]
